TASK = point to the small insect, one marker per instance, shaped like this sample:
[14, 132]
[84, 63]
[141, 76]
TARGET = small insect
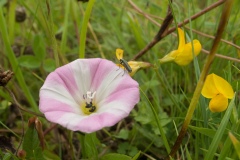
[124, 63]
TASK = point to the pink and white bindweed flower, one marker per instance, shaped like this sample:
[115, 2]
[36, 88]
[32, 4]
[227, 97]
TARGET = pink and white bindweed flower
[88, 94]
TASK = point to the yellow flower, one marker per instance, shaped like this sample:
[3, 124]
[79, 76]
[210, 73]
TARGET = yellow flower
[219, 90]
[183, 55]
[132, 66]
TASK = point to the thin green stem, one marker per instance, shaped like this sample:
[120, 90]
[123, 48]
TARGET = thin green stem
[71, 144]
[166, 88]
[65, 27]
[83, 32]
[50, 27]
[197, 92]
[174, 16]
[9, 129]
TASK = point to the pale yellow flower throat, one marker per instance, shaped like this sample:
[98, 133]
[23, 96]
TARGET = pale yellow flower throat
[88, 107]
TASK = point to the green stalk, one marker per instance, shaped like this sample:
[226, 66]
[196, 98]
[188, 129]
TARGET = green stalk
[222, 24]
[50, 31]
[9, 129]
[83, 32]
[11, 20]
[13, 60]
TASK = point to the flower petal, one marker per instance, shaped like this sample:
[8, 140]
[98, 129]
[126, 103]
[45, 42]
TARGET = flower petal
[104, 71]
[218, 103]
[122, 98]
[59, 88]
[119, 53]
[209, 89]
[61, 96]
[185, 56]
[181, 40]
[169, 57]
[223, 86]
[88, 124]
[114, 80]
[136, 65]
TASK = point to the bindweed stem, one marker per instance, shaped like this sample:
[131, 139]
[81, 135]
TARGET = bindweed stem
[222, 24]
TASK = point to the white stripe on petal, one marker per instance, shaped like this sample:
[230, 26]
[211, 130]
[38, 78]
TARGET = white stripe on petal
[58, 93]
[66, 119]
[81, 71]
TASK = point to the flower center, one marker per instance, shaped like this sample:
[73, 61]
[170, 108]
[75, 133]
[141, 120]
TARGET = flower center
[89, 106]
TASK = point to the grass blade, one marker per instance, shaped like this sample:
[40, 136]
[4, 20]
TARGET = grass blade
[218, 136]
[83, 33]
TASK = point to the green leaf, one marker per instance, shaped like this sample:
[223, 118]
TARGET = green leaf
[31, 145]
[90, 146]
[133, 151]
[29, 61]
[7, 156]
[123, 134]
[123, 147]
[115, 156]
[39, 47]
[205, 131]
[144, 131]
[49, 65]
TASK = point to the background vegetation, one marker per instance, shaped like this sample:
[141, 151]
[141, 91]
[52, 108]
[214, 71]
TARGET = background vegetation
[38, 36]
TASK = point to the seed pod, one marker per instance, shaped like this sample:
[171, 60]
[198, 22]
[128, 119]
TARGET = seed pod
[20, 14]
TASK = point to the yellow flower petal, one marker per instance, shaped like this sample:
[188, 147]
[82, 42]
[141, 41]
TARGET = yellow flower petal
[185, 56]
[136, 65]
[121, 66]
[119, 53]
[223, 86]
[218, 103]
[181, 40]
[169, 57]
[209, 89]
